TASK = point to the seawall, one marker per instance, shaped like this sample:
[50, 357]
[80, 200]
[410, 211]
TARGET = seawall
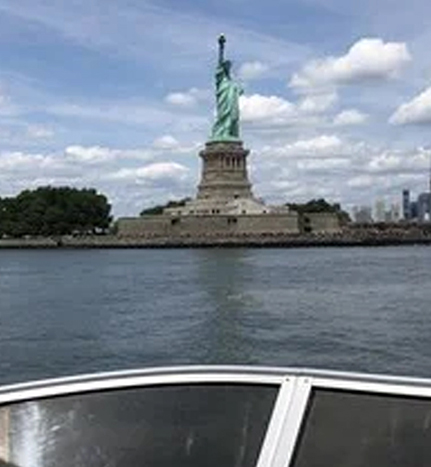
[348, 237]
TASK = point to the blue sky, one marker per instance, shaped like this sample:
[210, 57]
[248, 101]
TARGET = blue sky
[118, 95]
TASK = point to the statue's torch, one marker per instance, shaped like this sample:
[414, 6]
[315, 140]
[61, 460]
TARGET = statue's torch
[221, 43]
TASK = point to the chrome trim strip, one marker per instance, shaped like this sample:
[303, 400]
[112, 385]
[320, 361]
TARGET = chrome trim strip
[360, 377]
[376, 387]
[257, 370]
[216, 373]
[276, 424]
[68, 387]
[293, 422]
[160, 371]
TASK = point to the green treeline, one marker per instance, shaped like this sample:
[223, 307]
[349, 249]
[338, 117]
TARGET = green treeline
[54, 211]
[321, 205]
[155, 210]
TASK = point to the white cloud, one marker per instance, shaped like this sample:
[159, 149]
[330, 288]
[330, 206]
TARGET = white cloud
[4, 99]
[399, 162]
[265, 108]
[13, 161]
[366, 59]
[316, 103]
[364, 159]
[8, 107]
[385, 162]
[39, 132]
[146, 114]
[181, 99]
[166, 142]
[252, 70]
[321, 143]
[118, 173]
[416, 111]
[275, 113]
[323, 164]
[319, 146]
[350, 117]
[188, 98]
[361, 181]
[341, 170]
[152, 172]
[92, 155]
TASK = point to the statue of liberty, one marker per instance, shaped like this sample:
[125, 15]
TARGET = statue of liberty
[226, 126]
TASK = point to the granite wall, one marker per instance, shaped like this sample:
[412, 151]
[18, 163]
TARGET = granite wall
[319, 222]
[209, 225]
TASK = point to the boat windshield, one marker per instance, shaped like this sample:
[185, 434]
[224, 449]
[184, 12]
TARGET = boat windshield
[354, 429]
[217, 417]
[161, 426]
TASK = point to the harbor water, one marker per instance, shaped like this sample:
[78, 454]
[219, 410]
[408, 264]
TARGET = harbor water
[67, 312]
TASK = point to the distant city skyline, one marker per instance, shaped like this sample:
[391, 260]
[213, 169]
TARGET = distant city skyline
[411, 205]
[119, 96]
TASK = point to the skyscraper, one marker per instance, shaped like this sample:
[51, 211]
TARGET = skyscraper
[407, 211]
[424, 207]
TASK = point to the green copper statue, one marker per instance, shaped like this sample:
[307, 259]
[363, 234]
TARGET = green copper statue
[226, 126]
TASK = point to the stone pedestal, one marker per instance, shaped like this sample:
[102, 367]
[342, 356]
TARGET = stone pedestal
[224, 172]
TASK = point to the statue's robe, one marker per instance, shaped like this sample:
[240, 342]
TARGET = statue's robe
[226, 126]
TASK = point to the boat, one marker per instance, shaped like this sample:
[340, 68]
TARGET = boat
[230, 416]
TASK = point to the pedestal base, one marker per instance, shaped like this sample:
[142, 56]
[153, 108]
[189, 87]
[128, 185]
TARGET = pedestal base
[224, 171]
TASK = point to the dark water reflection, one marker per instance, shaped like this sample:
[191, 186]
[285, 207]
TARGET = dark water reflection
[224, 332]
[68, 312]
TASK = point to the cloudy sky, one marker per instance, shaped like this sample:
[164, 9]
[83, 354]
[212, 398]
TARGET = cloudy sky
[118, 95]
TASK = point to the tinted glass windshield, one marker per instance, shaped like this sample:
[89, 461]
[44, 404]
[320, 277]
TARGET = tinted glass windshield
[353, 429]
[198, 425]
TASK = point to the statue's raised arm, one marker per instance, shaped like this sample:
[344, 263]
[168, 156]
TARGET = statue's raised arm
[221, 43]
[226, 126]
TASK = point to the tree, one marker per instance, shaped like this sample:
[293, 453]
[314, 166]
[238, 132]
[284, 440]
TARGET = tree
[321, 205]
[156, 210]
[54, 211]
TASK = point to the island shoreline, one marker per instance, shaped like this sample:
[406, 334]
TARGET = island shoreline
[301, 241]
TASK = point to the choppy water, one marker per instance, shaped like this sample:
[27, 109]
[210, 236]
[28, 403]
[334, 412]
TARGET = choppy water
[65, 312]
